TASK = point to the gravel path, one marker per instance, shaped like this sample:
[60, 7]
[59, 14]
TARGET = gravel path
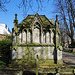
[69, 58]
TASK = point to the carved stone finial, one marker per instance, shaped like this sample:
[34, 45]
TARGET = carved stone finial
[16, 16]
[36, 14]
[15, 21]
[56, 17]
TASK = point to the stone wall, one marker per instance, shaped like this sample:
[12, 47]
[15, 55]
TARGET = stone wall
[35, 37]
[43, 52]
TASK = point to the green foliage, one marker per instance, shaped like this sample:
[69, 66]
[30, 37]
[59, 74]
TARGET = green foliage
[69, 52]
[2, 64]
[72, 45]
[5, 49]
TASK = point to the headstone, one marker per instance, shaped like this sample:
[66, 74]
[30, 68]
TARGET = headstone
[73, 49]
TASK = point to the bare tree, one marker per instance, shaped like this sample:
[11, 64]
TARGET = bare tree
[66, 9]
[2, 5]
[28, 4]
[25, 4]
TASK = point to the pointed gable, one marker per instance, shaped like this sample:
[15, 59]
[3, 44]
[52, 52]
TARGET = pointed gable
[28, 21]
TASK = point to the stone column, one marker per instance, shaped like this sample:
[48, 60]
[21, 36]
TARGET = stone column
[41, 36]
[52, 36]
[32, 36]
[27, 36]
[44, 36]
[14, 38]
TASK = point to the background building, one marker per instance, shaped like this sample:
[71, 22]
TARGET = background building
[4, 29]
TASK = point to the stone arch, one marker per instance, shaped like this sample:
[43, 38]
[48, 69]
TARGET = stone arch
[52, 36]
[24, 34]
[44, 36]
[29, 35]
[58, 37]
[37, 33]
[48, 36]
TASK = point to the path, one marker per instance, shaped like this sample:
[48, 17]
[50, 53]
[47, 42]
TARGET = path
[69, 58]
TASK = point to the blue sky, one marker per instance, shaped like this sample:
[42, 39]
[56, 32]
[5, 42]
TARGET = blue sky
[12, 7]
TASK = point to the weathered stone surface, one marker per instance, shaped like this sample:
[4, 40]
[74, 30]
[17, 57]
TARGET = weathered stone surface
[28, 36]
[47, 37]
[14, 38]
[13, 54]
[44, 37]
[44, 53]
[49, 53]
[24, 37]
[19, 38]
[73, 49]
[59, 54]
[52, 52]
[37, 52]
[19, 52]
[23, 51]
[52, 37]
[36, 35]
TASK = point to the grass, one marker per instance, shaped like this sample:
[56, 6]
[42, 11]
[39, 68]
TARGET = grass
[68, 69]
[2, 64]
[69, 52]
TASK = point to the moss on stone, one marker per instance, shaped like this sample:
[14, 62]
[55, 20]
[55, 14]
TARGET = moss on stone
[41, 53]
[32, 53]
[46, 51]
[26, 52]
[60, 47]
[35, 44]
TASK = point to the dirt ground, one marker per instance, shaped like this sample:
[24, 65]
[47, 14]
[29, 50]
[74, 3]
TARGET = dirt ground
[69, 58]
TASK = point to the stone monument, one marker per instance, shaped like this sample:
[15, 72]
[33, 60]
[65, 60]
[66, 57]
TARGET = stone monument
[36, 35]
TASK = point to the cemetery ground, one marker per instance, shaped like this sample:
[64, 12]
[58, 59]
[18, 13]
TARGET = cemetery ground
[68, 66]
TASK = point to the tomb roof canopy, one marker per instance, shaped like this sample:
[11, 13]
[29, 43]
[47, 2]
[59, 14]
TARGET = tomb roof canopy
[30, 18]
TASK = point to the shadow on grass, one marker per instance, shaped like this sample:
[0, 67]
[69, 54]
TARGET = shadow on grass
[32, 73]
[28, 73]
[50, 74]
